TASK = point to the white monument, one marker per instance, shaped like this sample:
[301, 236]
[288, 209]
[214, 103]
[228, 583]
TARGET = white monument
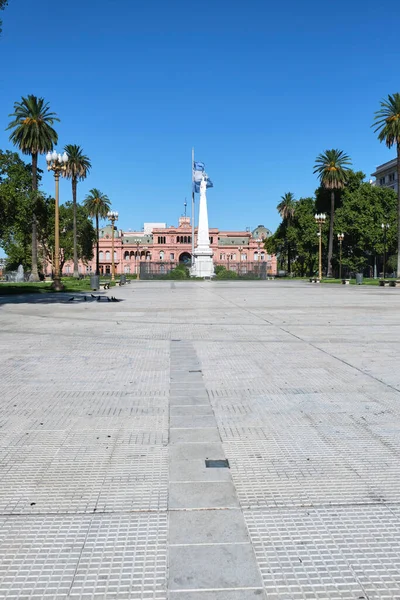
[203, 262]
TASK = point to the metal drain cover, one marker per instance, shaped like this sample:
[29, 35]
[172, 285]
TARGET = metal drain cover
[217, 464]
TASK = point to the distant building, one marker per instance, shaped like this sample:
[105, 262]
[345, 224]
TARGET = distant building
[386, 175]
[166, 247]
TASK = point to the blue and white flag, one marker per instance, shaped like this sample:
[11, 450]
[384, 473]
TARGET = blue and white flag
[198, 166]
[197, 185]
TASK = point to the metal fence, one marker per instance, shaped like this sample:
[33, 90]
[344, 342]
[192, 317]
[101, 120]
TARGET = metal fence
[156, 270]
[244, 269]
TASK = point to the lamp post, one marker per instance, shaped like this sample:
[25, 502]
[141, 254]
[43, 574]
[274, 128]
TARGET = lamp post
[240, 259]
[320, 220]
[57, 164]
[385, 227]
[340, 237]
[112, 216]
[137, 266]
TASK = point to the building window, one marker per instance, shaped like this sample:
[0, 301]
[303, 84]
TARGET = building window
[382, 181]
[211, 240]
[108, 255]
[67, 269]
[262, 256]
[244, 256]
[115, 255]
[233, 257]
[126, 256]
[162, 255]
[162, 239]
[172, 256]
[391, 177]
[255, 256]
[127, 269]
[162, 269]
[101, 255]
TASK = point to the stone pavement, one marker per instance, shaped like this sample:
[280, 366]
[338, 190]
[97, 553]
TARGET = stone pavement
[108, 413]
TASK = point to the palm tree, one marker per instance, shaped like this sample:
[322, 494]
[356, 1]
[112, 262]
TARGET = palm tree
[33, 134]
[78, 167]
[387, 122]
[332, 167]
[97, 205]
[286, 209]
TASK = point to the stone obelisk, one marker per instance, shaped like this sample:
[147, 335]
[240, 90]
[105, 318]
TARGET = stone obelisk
[203, 262]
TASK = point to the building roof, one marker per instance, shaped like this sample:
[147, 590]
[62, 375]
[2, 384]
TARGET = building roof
[387, 166]
[261, 232]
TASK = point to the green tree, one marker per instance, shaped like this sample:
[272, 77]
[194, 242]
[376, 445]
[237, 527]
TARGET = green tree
[360, 218]
[97, 205]
[287, 209]
[332, 169]
[85, 237]
[16, 206]
[33, 134]
[78, 167]
[387, 125]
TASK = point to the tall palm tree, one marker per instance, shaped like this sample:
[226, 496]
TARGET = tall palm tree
[97, 205]
[332, 167]
[387, 122]
[286, 208]
[78, 167]
[33, 134]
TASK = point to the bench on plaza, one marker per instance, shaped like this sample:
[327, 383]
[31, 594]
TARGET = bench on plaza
[105, 285]
[314, 280]
[389, 282]
[346, 281]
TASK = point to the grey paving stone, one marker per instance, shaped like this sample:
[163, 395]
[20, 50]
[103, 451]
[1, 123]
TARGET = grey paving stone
[192, 421]
[195, 451]
[212, 567]
[242, 594]
[186, 400]
[202, 495]
[207, 526]
[196, 470]
[199, 410]
[196, 435]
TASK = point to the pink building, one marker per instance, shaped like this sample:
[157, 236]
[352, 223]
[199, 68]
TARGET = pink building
[162, 248]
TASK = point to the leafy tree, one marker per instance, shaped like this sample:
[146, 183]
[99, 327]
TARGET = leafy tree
[33, 134]
[387, 125]
[331, 167]
[97, 204]
[78, 167]
[85, 237]
[360, 218]
[17, 202]
[287, 209]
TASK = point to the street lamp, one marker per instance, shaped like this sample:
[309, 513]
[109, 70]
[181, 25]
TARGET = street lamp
[137, 252]
[57, 164]
[240, 259]
[385, 227]
[112, 216]
[320, 220]
[340, 237]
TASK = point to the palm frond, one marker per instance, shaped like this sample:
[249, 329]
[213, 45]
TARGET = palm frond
[332, 168]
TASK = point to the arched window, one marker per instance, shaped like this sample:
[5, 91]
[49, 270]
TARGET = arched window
[262, 256]
[177, 239]
[162, 255]
[234, 256]
[126, 256]
[101, 255]
[132, 255]
[244, 256]
[255, 256]
[115, 255]
[190, 239]
[108, 255]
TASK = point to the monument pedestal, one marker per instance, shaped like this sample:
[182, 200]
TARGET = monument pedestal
[203, 264]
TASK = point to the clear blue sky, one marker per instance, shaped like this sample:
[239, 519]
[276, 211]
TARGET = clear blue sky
[259, 88]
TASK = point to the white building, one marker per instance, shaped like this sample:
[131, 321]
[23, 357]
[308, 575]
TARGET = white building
[386, 175]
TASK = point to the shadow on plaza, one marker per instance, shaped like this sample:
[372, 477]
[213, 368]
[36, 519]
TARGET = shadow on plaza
[68, 298]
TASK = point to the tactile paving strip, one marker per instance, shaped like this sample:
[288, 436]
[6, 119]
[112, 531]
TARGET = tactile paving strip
[125, 557]
[344, 553]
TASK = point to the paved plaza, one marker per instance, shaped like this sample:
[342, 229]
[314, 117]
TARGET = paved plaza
[109, 412]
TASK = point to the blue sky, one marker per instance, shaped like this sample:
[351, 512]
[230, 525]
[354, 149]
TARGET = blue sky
[258, 88]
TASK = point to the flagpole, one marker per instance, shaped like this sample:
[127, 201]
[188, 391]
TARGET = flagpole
[193, 215]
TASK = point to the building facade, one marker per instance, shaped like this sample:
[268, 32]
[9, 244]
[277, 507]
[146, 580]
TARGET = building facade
[386, 175]
[166, 247]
